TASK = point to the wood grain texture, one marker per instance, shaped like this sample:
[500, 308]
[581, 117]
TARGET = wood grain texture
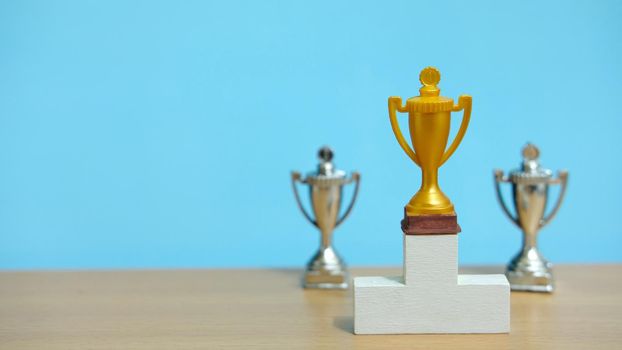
[267, 309]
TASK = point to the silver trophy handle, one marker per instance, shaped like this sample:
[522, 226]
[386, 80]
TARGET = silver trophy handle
[562, 179]
[356, 177]
[297, 178]
[499, 178]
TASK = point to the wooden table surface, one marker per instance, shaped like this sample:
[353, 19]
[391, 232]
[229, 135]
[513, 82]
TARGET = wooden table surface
[267, 309]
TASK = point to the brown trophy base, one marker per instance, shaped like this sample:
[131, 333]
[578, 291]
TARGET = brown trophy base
[446, 224]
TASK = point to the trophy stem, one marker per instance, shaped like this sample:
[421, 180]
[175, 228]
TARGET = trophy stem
[529, 240]
[326, 239]
[429, 180]
[429, 200]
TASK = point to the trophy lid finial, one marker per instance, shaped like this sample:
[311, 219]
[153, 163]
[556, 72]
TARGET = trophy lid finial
[430, 77]
[326, 174]
[530, 170]
[531, 152]
[325, 154]
[429, 100]
[530, 158]
[326, 166]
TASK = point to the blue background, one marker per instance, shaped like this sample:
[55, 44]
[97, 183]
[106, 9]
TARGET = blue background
[162, 133]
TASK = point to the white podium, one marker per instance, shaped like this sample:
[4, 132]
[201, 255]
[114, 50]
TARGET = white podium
[431, 297]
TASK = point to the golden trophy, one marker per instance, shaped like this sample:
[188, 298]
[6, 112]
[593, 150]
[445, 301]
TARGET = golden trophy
[430, 296]
[429, 118]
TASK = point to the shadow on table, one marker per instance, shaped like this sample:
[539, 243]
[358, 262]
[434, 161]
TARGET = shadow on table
[345, 323]
[293, 276]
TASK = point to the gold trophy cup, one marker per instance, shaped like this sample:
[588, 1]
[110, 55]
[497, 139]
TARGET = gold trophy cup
[429, 118]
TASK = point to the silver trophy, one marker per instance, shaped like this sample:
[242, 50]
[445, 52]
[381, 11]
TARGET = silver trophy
[326, 270]
[529, 271]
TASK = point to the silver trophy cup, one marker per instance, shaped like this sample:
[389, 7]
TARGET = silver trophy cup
[326, 270]
[529, 271]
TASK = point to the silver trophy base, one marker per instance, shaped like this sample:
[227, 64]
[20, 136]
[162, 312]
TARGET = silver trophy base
[530, 272]
[529, 282]
[326, 270]
[314, 280]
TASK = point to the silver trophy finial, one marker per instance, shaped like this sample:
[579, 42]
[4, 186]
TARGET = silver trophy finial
[531, 152]
[326, 269]
[529, 271]
[325, 154]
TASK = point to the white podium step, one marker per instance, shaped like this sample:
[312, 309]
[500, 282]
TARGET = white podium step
[431, 297]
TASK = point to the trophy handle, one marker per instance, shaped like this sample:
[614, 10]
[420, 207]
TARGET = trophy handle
[499, 178]
[297, 178]
[562, 179]
[356, 177]
[464, 102]
[395, 104]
